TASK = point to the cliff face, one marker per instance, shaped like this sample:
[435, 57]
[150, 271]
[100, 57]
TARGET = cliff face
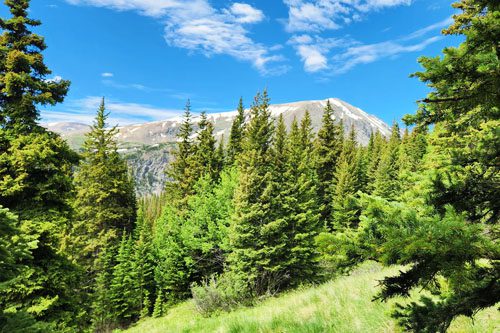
[147, 147]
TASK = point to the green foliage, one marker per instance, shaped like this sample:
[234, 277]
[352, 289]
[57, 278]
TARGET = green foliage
[23, 74]
[348, 181]
[236, 136]
[342, 305]
[181, 171]
[125, 295]
[386, 182]
[105, 201]
[225, 292]
[447, 225]
[328, 147]
[197, 242]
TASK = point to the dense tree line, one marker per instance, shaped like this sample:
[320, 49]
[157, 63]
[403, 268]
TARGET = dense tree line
[270, 209]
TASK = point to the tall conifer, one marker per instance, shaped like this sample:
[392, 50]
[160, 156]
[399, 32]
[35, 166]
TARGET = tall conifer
[328, 147]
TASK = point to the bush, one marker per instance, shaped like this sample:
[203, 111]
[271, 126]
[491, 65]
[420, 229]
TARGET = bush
[220, 293]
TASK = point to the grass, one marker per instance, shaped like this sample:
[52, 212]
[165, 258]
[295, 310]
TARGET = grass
[342, 305]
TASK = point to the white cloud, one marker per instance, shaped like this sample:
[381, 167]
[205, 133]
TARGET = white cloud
[155, 8]
[107, 74]
[321, 15]
[364, 54]
[313, 59]
[316, 51]
[313, 50]
[197, 26]
[245, 13]
[122, 113]
[436, 26]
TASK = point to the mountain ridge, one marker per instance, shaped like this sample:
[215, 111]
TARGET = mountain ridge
[148, 146]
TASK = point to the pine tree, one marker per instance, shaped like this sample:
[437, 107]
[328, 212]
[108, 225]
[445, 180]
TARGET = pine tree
[302, 205]
[181, 171]
[256, 249]
[347, 183]
[375, 148]
[236, 136]
[126, 298]
[13, 249]
[35, 174]
[328, 147]
[205, 154]
[23, 73]
[387, 183]
[446, 227]
[144, 262]
[102, 312]
[158, 307]
[105, 200]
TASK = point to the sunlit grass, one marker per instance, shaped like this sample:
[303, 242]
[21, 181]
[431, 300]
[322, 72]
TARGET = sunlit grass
[342, 305]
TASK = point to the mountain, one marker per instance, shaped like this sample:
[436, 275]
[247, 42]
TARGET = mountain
[148, 146]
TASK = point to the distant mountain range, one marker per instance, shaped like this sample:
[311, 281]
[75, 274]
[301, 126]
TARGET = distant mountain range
[148, 146]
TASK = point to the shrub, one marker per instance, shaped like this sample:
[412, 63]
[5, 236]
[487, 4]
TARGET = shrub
[223, 292]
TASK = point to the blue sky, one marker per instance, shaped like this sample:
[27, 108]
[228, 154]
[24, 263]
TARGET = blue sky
[148, 56]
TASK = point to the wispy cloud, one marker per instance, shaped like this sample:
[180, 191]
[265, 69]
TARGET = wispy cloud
[321, 15]
[364, 54]
[122, 113]
[314, 50]
[107, 74]
[197, 26]
[339, 55]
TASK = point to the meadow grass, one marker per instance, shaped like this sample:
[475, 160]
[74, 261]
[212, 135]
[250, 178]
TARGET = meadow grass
[343, 305]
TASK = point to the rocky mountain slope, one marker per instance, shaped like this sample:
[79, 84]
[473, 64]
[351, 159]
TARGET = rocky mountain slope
[148, 146]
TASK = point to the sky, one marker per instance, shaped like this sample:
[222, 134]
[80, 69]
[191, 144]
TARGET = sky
[147, 57]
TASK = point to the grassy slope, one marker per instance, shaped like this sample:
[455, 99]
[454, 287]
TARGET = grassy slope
[343, 305]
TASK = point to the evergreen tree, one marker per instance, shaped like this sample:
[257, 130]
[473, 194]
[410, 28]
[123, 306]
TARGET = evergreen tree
[105, 201]
[347, 183]
[328, 147]
[205, 155]
[126, 298]
[13, 249]
[181, 171]
[236, 136]
[256, 247]
[144, 262]
[102, 312]
[302, 213]
[446, 229]
[35, 175]
[387, 183]
[23, 73]
[375, 148]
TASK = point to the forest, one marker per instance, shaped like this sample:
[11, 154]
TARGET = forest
[270, 209]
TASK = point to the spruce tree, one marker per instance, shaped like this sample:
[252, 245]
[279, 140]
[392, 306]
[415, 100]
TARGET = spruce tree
[126, 298]
[35, 174]
[387, 183]
[256, 232]
[105, 202]
[182, 172]
[328, 146]
[446, 228]
[347, 183]
[23, 73]
[102, 312]
[375, 148]
[205, 154]
[144, 262]
[302, 212]
[236, 136]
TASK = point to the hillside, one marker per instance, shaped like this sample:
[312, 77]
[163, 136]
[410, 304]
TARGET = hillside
[343, 305]
[147, 146]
